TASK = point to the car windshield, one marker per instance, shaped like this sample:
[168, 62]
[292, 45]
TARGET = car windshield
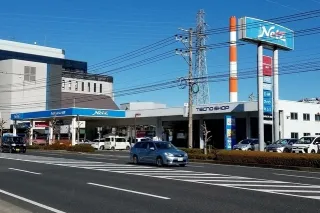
[282, 141]
[306, 140]
[246, 141]
[165, 145]
[17, 140]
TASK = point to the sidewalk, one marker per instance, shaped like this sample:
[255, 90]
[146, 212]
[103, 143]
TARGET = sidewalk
[6, 207]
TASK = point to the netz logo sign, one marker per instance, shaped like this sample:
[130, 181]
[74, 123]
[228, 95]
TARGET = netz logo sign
[56, 113]
[272, 32]
[210, 109]
[100, 113]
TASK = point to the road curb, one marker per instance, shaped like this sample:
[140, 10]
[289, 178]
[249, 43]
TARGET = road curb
[309, 169]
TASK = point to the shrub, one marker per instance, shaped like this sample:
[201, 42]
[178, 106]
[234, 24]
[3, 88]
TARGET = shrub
[34, 146]
[81, 148]
[261, 158]
[56, 146]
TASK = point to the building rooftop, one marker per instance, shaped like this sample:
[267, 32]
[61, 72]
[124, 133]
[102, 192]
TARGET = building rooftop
[86, 76]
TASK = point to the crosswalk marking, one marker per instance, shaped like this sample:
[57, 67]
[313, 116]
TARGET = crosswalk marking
[238, 182]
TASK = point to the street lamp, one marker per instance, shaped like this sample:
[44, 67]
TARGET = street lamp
[135, 124]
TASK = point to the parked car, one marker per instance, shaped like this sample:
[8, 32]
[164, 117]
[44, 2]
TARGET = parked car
[250, 144]
[98, 143]
[158, 152]
[13, 144]
[282, 145]
[307, 144]
[116, 143]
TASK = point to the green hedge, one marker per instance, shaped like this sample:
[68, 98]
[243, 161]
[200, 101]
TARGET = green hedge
[261, 158]
[57, 146]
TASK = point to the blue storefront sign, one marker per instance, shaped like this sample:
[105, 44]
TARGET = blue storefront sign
[267, 102]
[271, 34]
[69, 112]
[230, 132]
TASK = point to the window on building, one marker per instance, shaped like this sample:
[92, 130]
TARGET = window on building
[29, 73]
[306, 134]
[294, 135]
[63, 84]
[317, 117]
[82, 87]
[306, 117]
[317, 133]
[100, 88]
[294, 116]
[94, 87]
[70, 84]
[88, 87]
[76, 86]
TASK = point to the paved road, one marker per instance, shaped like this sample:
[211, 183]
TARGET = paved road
[60, 182]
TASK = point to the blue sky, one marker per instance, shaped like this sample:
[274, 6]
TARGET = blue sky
[97, 30]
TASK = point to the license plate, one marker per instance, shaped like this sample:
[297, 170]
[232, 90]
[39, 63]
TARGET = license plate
[180, 159]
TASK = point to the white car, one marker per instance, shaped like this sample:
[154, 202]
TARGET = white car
[116, 143]
[99, 144]
[307, 144]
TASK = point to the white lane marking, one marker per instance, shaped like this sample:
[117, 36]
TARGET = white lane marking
[297, 176]
[211, 177]
[237, 181]
[131, 171]
[130, 191]
[31, 202]
[291, 191]
[20, 170]
[250, 167]
[194, 166]
[271, 186]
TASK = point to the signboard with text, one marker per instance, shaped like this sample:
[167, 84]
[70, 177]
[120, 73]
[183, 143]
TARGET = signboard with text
[230, 132]
[269, 34]
[267, 88]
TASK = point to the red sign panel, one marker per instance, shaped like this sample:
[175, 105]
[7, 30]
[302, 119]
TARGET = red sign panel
[41, 124]
[267, 66]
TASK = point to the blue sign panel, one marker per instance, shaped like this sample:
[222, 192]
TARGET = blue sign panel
[271, 34]
[69, 112]
[99, 112]
[230, 132]
[267, 102]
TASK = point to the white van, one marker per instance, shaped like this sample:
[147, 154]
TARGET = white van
[116, 143]
[307, 144]
[98, 144]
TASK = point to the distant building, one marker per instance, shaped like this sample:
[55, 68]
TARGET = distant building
[36, 78]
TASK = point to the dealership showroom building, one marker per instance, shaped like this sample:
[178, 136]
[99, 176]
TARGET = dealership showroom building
[46, 86]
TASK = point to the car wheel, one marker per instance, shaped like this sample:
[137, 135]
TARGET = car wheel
[112, 148]
[182, 165]
[286, 150]
[101, 148]
[135, 159]
[128, 147]
[313, 151]
[159, 161]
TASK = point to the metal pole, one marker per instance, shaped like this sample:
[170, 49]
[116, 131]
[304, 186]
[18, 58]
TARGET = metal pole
[135, 127]
[260, 97]
[78, 129]
[276, 126]
[190, 132]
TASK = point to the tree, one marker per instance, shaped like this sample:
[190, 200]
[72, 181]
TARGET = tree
[207, 138]
[28, 133]
[53, 125]
[2, 123]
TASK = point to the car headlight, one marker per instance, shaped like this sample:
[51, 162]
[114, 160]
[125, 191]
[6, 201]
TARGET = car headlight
[13, 144]
[280, 149]
[168, 154]
[185, 154]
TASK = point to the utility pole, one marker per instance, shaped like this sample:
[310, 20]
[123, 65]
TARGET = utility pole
[78, 128]
[189, 81]
[190, 132]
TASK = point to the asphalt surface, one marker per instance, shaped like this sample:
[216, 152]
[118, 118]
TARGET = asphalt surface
[105, 182]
